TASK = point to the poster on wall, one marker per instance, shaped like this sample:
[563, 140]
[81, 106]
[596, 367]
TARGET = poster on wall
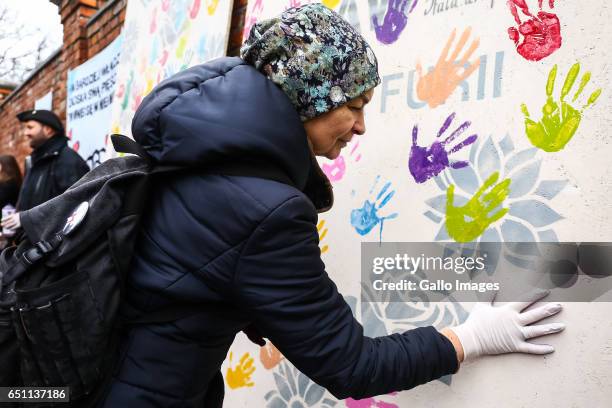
[161, 38]
[89, 99]
[46, 102]
[490, 125]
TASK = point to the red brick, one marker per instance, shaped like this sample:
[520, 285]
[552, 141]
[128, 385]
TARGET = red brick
[81, 41]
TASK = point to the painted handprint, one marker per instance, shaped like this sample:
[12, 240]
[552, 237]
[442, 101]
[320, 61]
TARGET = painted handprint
[395, 20]
[241, 375]
[427, 162]
[438, 84]
[466, 223]
[211, 6]
[194, 9]
[541, 33]
[322, 230]
[269, 356]
[369, 403]
[560, 120]
[364, 219]
[331, 3]
[252, 18]
[336, 170]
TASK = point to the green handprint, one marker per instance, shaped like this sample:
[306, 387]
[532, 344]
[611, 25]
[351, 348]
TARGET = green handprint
[557, 127]
[468, 222]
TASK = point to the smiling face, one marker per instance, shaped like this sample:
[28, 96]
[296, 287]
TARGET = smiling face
[333, 130]
[37, 133]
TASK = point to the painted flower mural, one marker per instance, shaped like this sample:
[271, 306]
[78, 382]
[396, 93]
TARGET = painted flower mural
[295, 390]
[529, 218]
[381, 317]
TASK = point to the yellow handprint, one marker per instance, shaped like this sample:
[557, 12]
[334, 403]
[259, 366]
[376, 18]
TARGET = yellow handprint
[211, 6]
[330, 3]
[435, 87]
[322, 233]
[241, 375]
[469, 221]
[559, 123]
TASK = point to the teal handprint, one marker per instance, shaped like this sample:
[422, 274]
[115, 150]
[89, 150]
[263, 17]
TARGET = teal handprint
[468, 222]
[560, 120]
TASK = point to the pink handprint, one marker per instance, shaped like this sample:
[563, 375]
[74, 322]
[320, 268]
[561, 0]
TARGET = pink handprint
[542, 33]
[153, 25]
[336, 170]
[195, 9]
[427, 162]
[252, 19]
[369, 403]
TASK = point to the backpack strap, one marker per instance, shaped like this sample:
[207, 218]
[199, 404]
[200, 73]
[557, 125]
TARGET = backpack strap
[24, 261]
[31, 256]
[250, 168]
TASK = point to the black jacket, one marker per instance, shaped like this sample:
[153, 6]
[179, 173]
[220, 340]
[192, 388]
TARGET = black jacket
[9, 191]
[241, 251]
[55, 167]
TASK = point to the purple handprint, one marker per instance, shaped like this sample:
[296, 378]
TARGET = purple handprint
[394, 22]
[425, 163]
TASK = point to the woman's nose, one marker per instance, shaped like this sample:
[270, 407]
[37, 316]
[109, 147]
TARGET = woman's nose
[359, 126]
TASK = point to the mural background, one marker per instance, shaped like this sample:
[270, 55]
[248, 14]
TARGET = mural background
[161, 38]
[543, 182]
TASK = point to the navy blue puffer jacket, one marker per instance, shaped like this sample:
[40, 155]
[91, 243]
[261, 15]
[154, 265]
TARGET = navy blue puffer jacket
[244, 250]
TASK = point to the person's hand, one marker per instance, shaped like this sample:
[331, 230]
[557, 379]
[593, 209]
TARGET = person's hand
[505, 329]
[12, 221]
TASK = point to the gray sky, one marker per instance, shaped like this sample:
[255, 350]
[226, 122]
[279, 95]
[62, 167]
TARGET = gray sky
[37, 14]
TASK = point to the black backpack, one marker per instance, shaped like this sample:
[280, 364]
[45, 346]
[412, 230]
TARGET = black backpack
[61, 286]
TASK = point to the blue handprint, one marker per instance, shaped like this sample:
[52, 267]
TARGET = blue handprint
[364, 219]
[394, 22]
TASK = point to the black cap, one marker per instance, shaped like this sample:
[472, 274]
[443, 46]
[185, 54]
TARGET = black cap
[46, 117]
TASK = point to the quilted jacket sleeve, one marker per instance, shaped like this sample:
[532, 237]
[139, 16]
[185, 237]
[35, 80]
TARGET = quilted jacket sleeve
[282, 285]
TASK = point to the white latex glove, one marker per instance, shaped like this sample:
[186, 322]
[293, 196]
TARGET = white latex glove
[504, 329]
[11, 222]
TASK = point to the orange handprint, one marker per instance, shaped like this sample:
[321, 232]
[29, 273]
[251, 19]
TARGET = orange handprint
[437, 85]
[241, 375]
[270, 356]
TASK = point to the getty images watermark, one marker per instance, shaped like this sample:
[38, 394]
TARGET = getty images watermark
[428, 271]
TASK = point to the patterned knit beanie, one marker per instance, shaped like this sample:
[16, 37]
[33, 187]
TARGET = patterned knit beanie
[317, 58]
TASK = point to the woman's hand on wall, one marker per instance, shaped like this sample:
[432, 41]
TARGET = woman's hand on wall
[506, 329]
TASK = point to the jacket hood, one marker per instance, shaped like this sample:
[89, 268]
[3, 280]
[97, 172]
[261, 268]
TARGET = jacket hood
[227, 110]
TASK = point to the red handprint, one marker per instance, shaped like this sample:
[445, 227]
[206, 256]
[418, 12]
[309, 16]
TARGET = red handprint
[541, 33]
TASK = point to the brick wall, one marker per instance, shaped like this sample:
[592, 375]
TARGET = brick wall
[89, 26]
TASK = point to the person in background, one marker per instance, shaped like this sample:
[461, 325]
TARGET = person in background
[10, 183]
[55, 166]
[10, 180]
